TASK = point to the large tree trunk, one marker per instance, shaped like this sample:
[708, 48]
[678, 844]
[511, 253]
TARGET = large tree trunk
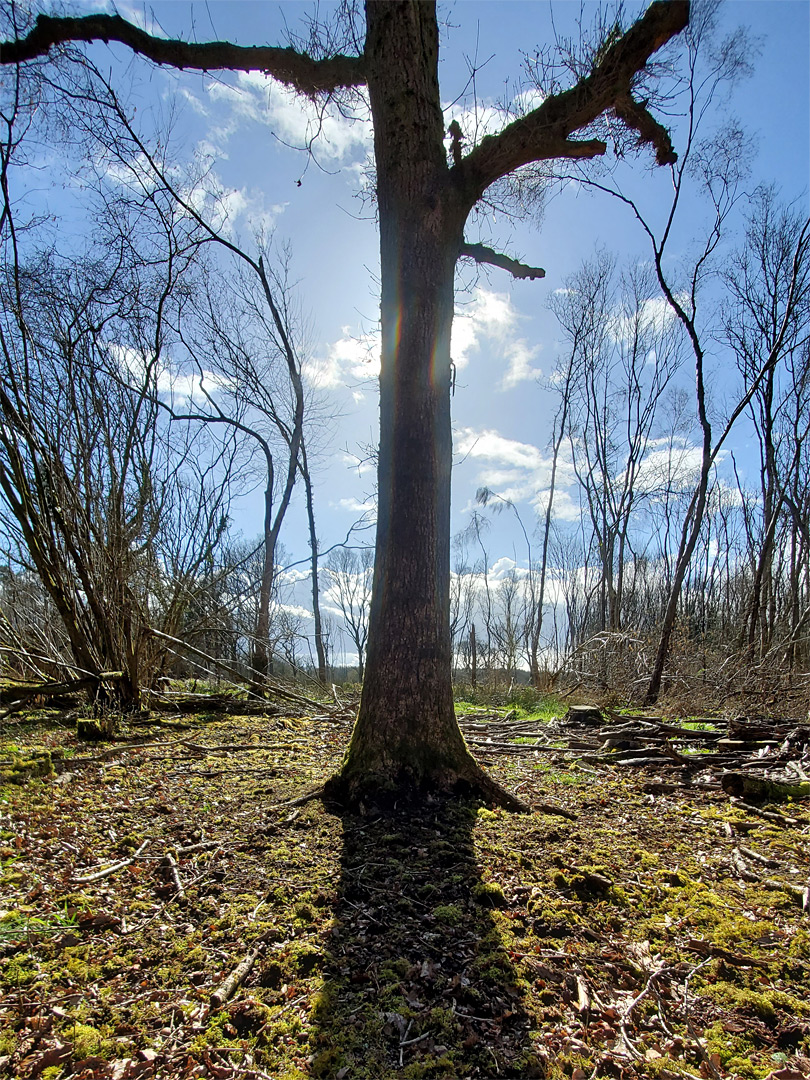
[406, 730]
[406, 733]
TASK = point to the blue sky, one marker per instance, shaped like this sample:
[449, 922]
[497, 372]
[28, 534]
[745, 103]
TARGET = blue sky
[505, 339]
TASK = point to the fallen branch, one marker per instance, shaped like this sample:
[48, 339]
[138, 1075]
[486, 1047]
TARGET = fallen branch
[705, 948]
[97, 875]
[316, 794]
[227, 748]
[583, 997]
[798, 892]
[228, 988]
[756, 787]
[769, 815]
[258, 688]
[203, 845]
[170, 869]
[628, 1042]
[547, 808]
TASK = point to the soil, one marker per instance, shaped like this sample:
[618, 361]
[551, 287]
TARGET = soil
[622, 938]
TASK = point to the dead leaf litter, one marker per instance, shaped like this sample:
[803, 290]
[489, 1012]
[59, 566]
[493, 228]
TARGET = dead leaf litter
[167, 910]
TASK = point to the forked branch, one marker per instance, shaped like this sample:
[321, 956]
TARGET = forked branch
[546, 132]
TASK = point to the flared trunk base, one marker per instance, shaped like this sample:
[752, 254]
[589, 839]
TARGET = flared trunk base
[383, 783]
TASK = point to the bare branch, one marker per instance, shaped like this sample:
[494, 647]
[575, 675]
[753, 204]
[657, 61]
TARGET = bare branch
[636, 116]
[296, 69]
[545, 132]
[483, 254]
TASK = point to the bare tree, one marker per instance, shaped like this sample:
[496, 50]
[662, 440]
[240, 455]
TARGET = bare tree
[118, 520]
[719, 164]
[612, 398]
[243, 349]
[767, 324]
[350, 573]
[406, 728]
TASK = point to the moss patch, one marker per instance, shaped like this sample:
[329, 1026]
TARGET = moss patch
[437, 939]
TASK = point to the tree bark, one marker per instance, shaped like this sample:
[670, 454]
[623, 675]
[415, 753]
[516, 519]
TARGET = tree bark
[406, 732]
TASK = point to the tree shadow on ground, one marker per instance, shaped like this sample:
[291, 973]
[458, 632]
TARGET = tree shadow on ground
[416, 981]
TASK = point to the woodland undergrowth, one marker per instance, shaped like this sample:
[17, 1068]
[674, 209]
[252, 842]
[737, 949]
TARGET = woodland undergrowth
[168, 910]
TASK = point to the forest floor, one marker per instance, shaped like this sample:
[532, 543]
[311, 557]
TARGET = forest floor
[439, 940]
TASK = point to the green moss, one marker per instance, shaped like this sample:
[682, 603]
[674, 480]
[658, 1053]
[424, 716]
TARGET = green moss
[394, 970]
[762, 1004]
[327, 1063]
[307, 959]
[450, 914]
[489, 894]
[88, 1041]
[20, 769]
[8, 1042]
[17, 974]
[736, 1052]
[437, 1067]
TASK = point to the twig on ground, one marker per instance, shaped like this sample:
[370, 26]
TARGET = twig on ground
[648, 987]
[559, 811]
[97, 875]
[229, 987]
[316, 794]
[170, 868]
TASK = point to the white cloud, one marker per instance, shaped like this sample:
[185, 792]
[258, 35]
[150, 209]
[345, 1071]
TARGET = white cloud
[352, 358]
[296, 610]
[668, 463]
[491, 319]
[520, 369]
[360, 465]
[227, 209]
[491, 446]
[191, 99]
[488, 118]
[177, 386]
[354, 506]
[137, 14]
[335, 138]
[292, 575]
[209, 152]
[488, 319]
[517, 471]
[654, 318]
[501, 568]
[489, 315]
[531, 98]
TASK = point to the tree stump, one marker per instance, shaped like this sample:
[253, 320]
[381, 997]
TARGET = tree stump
[589, 715]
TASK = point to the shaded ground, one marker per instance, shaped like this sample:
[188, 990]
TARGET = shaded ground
[441, 940]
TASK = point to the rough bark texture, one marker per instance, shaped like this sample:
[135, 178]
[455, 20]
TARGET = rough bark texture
[406, 733]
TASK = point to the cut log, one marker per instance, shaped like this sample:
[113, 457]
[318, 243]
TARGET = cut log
[757, 789]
